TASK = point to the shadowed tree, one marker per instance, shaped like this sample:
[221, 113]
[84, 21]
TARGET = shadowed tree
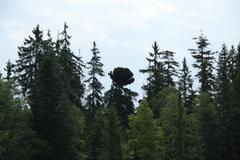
[207, 127]
[94, 105]
[71, 67]
[119, 96]
[186, 87]
[9, 70]
[111, 139]
[54, 118]
[29, 57]
[223, 98]
[231, 63]
[94, 99]
[155, 71]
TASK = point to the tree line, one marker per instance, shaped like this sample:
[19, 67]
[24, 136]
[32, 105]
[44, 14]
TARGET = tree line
[51, 110]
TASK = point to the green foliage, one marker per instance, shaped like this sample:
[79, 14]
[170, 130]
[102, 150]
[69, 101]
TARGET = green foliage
[71, 67]
[186, 87]
[207, 127]
[143, 135]
[3, 136]
[17, 139]
[53, 114]
[111, 138]
[158, 102]
[172, 125]
[9, 70]
[95, 127]
[233, 122]
[29, 58]
[169, 68]
[47, 121]
[94, 99]
[23, 143]
[204, 60]
[231, 63]
[155, 71]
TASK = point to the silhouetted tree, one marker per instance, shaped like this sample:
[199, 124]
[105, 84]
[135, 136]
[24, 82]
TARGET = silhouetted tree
[169, 68]
[119, 96]
[186, 87]
[94, 99]
[71, 67]
[204, 61]
[54, 118]
[29, 57]
[155, 71]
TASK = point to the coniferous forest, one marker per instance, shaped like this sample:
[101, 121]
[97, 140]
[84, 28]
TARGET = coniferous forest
[53, 105]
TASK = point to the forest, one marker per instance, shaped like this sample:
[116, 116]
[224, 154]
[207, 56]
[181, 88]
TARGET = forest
[52, 105]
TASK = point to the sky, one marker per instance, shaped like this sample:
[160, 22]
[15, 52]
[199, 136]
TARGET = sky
[124, 30]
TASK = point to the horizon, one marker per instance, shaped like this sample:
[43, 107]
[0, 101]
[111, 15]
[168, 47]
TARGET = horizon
[124, 31]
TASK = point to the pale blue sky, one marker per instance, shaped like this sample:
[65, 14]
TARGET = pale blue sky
[124, 30]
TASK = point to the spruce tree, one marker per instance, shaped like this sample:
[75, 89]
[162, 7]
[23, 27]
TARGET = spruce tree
[9, 71]
[186, 87]
[53, 115]
[17, 138]
[95, 127]
[234, 121]
[94, 99]
[94, 104]
[207, 127]
[204, 60]
[231, 63]
[29, 57]
[169, 68]
[223, 77]
[172, 120]
[71, 67]
[223, 101]
[155, 71]
[237, 58]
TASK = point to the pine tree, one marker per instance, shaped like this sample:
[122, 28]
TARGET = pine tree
[119, 96]
[170, 68]
[204, 61]
[71, 67]
[186, 87]
[94, 99]
[155, 71]
[29, 58]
